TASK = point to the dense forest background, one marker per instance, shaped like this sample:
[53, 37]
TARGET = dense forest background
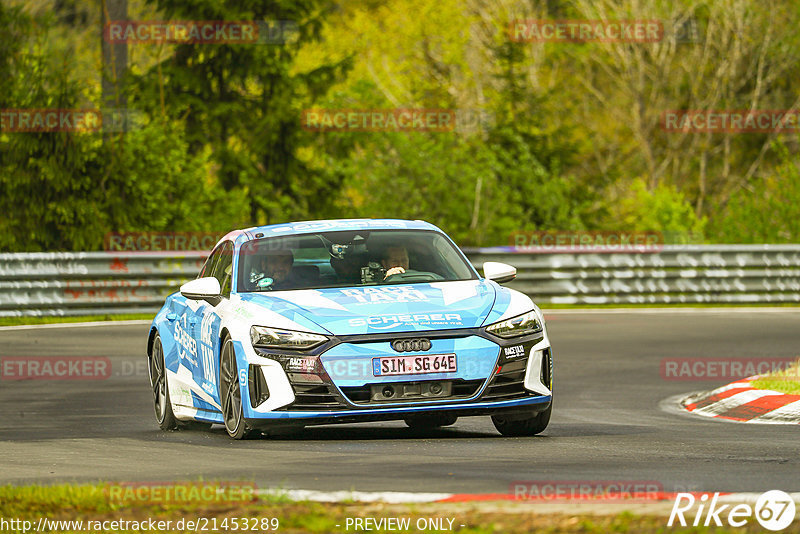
[567, 136]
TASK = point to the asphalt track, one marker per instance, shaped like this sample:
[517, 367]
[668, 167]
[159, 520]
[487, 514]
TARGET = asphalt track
[607, 422]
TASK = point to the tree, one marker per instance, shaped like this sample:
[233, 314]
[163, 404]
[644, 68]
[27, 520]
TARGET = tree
[244, 103]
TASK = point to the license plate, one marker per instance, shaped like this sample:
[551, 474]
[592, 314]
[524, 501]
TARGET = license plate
[414, 365]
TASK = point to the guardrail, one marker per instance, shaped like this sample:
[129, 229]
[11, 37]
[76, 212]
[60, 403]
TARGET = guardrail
[92, 283]
[97, 283]
[673, 274]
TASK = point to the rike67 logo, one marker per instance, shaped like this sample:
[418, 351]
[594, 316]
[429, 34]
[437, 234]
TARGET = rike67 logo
[774, 510]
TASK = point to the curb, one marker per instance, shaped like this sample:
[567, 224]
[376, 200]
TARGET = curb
[741, 402]
[396, 497]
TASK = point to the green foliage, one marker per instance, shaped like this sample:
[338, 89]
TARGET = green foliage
[244, 101]
[767, 211]
[569, 123]
[663, 210]
[167, 188]
[48, 198]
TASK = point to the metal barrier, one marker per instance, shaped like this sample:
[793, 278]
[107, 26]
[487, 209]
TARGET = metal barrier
[92, 283]
[674, 274]
[99, 283]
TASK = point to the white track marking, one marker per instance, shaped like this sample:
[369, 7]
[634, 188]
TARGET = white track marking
[77, 325]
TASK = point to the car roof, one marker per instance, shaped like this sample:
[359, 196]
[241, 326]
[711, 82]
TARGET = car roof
[242, 236]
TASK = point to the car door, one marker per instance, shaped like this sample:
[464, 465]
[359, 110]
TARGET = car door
[206, 328]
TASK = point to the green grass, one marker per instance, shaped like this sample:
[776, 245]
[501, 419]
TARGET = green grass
[14, 321]
[91, 502]
[786, 381]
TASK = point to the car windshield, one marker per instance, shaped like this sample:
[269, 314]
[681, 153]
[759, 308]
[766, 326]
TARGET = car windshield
[347, 259]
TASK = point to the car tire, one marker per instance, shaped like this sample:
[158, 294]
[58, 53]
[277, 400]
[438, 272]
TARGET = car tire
[430, 421]
[515, 427]
[230, 393]
[158, 383]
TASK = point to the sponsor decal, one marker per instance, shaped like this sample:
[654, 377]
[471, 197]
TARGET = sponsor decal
[242, 311]
[207, 352]
[391, 321]
[185, 342]
[297, 364]
[514, 352]
[369, 295]
[320, 226]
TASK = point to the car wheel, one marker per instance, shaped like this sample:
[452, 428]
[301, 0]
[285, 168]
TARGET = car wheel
[230, 393]
[431, 421]
[158, 381]
[523, 426]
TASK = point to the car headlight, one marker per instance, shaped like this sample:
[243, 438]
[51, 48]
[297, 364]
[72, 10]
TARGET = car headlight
[521, 325]
[274, 338]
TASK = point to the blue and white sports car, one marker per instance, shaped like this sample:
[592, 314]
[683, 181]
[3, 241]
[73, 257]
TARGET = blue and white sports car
[348, 321]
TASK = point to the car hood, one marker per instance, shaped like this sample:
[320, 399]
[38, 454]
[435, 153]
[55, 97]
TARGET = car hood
[377, 309]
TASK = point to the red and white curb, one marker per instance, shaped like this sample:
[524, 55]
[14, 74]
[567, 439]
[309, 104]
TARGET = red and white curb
[397, 497]
[740, 401]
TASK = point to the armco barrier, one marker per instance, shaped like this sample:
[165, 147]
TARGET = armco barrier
[674, 274]
[91, 283]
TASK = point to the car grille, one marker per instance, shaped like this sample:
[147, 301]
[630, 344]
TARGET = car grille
[461, 389]
[314, 397]
[508, 383]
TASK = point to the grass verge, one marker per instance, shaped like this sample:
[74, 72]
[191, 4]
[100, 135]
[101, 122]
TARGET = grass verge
[786, 381]
[92, 503]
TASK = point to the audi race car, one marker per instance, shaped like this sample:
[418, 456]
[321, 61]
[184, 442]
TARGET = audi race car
[348, 321]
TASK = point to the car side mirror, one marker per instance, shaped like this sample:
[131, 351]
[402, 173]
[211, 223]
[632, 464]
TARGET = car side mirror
[499, 272]
[206, 289]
